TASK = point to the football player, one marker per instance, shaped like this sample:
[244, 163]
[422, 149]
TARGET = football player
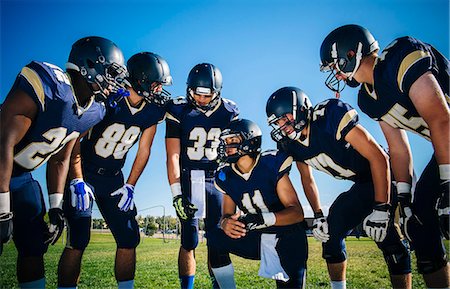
[98, 169]
[269, 225]
[406, 87]
[41, 118]
[327, 137]
[193, 126]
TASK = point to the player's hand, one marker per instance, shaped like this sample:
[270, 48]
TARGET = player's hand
[185, 210]
[6, 228]
[320, 228]
[376, 223]
[443, 208]
[81, 194]
[408, 220]
[257, 221]
[56, 225]
[126, 201]
[232, 227]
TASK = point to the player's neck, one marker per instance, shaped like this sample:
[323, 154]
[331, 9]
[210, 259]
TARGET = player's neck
[245, 164]
[365, 70]
[134, 99]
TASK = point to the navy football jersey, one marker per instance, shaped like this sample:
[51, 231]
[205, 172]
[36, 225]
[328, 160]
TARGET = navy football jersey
[325, 148]
[255, 192]
[198, 132]
[400, 64]
[107, 144]
[57, 121]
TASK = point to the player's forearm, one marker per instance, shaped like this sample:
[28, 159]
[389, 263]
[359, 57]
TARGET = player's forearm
[138, 166]
[312, 194]
[402, 165]
[75, 167]
[288, 216]
[379, 167]
[6, 161]
[56, 175]
[441, 140]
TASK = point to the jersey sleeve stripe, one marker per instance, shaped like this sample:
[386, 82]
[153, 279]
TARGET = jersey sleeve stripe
[35, 81]
[171, 117]
[287, 163]
[407, 63]
[219, 188]
[346, 119]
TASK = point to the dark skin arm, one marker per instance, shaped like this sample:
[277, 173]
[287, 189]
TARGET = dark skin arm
[17, 114]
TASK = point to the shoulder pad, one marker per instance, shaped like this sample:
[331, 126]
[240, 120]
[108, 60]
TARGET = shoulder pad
[179, 100]
[231, 106]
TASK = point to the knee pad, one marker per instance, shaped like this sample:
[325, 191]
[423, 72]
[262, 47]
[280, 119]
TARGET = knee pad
[78, 233]
[398, 258]
[189, 234]
[428, 267]
[128, 241]
[218, 258]
[334, 252]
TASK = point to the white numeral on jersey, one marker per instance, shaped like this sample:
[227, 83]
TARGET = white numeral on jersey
[37, 153]
[396, 118]
[257, 201]
[324, 163]
[200, 136]
[116, 140]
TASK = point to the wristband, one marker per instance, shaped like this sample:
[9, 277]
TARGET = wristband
[318, 214]
[55, 200]
[5, 202]
[176, 189]
[444, 172]
[269, 219]
[403, 188]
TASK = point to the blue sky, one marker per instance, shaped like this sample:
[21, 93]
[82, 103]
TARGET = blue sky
[259, 46]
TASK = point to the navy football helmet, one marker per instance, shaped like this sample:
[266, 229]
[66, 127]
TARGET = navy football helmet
[251, 138]
[288, 100]
[341, 52]
[99, 61]
[204, 78]
[146, 71]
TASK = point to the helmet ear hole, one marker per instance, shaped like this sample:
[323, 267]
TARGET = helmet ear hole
[350, 54]
[90, 63]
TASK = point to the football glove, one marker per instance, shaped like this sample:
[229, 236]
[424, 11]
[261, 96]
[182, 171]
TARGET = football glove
[6, 228]
[81, 194]
[443, 208]
[185, 210]
[56, 226]
[320, 227]
[408, 220]
[126, 201]
[376, 223]
[257, 221]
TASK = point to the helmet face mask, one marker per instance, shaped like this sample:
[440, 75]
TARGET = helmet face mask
[148, 71]
[100, 62]
[250, 138]
[288, 112]
[204, 79]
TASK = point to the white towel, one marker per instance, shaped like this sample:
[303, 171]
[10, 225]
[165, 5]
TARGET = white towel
[270, 261]
[198, 192]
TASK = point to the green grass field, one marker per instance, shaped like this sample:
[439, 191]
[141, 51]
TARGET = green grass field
[157, 266]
